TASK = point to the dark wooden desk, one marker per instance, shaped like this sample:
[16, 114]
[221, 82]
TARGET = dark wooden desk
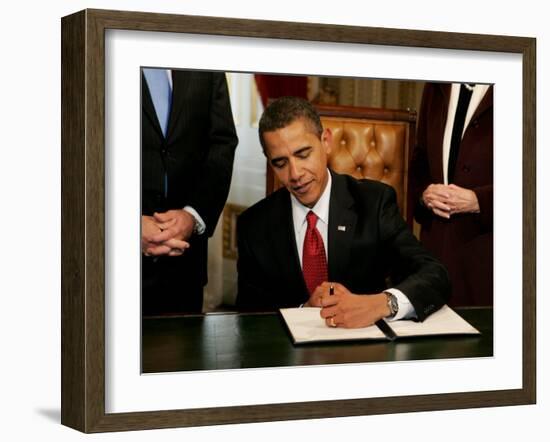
[227, 341]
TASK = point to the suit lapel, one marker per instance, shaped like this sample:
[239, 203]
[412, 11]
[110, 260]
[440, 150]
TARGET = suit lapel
[342, 220]
[283, 242]
[180, 83]
[148, 106]
[485, 103]
[437, 152]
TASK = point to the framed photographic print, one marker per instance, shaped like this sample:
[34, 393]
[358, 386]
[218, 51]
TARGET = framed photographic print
[106, 385]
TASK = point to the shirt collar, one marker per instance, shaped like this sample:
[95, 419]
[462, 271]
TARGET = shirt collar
[299, 211]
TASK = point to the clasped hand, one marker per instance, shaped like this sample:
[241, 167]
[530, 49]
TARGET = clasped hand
[345, 309]
[446, 200]
[166, 233]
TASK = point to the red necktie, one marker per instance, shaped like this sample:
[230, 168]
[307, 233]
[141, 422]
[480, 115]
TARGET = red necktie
[314, 261]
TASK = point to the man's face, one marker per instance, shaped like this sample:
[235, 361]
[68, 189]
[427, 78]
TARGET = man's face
[299, 159]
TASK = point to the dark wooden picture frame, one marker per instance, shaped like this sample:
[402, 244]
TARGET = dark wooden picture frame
[83, 220]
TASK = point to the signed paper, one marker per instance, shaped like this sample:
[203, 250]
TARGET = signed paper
[306, 325]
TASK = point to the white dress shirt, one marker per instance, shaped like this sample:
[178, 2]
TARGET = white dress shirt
[321, 210]
[479, 91]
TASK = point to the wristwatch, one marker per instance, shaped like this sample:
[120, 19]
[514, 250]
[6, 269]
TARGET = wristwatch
[196, 225]
[393, 306]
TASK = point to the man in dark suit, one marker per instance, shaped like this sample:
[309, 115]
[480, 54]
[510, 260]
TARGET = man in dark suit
[188, 144]
[283, 261]
[451, 185]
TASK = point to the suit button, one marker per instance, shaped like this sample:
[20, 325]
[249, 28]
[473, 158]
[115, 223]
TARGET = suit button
[163, 151]
[466, 169]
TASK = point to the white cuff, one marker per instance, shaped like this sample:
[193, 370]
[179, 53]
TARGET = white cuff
[201, 226]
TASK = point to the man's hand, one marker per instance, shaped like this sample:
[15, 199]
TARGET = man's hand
[435, 198]
[315, 298]
[150, 229]
[445, 201]
[345, 309]
[462, 200]
[175, 224]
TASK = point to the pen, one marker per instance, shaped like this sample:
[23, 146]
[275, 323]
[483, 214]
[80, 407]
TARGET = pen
[331, 290]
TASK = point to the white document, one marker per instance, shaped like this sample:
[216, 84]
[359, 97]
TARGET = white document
[306, 325]
[445, 321]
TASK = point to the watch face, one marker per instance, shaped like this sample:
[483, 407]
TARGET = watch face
[394, 304]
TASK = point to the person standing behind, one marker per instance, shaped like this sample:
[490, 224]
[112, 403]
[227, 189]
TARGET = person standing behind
[188, 142]
[451, 185]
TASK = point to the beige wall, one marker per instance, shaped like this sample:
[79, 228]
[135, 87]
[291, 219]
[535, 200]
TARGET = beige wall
[391, 94]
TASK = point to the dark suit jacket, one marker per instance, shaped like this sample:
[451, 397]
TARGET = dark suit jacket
[197, 155]
[375, 243]
[465, 242]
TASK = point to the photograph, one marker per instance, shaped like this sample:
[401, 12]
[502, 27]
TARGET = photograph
[225, 192]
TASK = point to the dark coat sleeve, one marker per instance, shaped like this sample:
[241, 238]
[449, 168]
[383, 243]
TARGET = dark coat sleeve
[420, 176]
[414, 271]
[210, 192]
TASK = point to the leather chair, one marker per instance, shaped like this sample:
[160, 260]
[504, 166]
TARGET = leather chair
[368, 143]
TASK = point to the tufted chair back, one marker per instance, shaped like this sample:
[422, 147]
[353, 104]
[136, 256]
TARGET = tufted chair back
[368, 143]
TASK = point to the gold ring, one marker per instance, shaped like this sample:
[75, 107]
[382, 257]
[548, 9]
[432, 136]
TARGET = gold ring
[331, 322]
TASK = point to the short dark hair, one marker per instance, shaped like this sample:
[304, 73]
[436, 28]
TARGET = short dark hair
[285, 110]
